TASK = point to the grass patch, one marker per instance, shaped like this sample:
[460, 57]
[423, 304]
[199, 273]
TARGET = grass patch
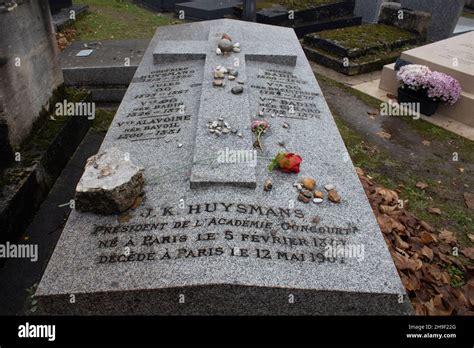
[397, 176]
[369, 35]
[117, 19]
[102, 121]
[292, 4]
[457, 276]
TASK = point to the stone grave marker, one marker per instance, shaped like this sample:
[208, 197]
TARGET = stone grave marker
[369, 10]
[444, 15]
[206, 237]
[28, 76]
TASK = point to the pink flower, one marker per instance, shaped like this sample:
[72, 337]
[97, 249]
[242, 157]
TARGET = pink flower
[260, 124]
[438, 86]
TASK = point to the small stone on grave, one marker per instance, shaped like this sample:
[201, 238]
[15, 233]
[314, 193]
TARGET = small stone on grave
[110, 184]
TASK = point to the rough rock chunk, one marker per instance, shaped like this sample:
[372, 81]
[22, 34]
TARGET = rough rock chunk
[110, 184]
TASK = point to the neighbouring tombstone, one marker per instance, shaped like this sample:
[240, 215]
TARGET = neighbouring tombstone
[368, 9]
[29, 69]
[159, 5]
[453, 56]
[200, 10]
[250, 11]
[58, 5]
[217, 233]
[444, 15]
[418, 22]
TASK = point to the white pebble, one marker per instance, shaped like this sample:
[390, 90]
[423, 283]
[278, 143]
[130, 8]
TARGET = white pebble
[218, 51]
[237, 45]
[329, 187]
[317, 200]
[236, 49]
[180, 145]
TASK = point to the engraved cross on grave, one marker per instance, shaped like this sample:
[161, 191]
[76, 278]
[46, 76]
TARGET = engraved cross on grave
[219, 102]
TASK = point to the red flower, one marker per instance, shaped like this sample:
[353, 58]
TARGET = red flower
[286, 162]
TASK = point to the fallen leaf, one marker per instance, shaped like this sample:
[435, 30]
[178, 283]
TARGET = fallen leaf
[426, 142]
[373, 112]
[384, 135]
[403, 262]
[461, 170]
[421, 185]
[427, 252]
[447, 236]
[426, 226]
[400, 243]
[468, 252]
[427, 238]
[434, 211]
[469, 199]
[386, 209]
[387, 224]
[471, 237]
[388, 196]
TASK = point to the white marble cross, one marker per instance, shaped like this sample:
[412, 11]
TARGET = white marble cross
[219, 102]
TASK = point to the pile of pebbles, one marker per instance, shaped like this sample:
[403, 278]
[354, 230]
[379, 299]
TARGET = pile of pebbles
[220, 74]
[221, 127]
[308, 191]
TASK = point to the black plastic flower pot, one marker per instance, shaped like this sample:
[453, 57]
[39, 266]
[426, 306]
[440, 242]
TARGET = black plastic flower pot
[427, 106]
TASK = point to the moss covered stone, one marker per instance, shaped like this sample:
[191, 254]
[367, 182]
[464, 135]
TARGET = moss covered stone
[369, 35]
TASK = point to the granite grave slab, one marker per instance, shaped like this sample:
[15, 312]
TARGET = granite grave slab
[221, 246]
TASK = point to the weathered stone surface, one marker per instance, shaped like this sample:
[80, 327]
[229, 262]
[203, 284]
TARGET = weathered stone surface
[368, 9]
[227, 248]
[444, 15]
[110, 184]
[29, 70]
[415, 21]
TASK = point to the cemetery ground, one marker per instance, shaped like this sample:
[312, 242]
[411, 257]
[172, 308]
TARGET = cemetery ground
[109, 20]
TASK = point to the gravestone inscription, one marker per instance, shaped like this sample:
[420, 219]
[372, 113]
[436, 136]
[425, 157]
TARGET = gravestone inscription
[207, 238]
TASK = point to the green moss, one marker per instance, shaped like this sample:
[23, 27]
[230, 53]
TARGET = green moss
[45, 130]
[102, 120]
[364, 36]
[117, 19]
[457, 276]
[292, 4]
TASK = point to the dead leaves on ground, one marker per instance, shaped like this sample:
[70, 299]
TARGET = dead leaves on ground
[65, 37]
[422, 256]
